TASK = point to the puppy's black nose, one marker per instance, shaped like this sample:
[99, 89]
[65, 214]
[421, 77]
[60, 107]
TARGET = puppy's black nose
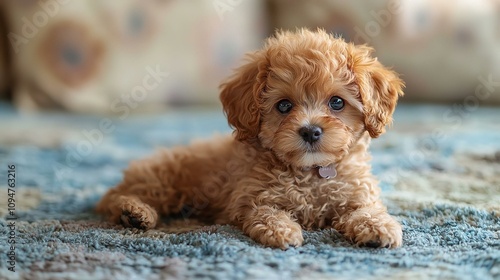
[311, 133]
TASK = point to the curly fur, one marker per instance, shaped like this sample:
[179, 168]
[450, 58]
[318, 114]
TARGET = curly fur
[264, 178]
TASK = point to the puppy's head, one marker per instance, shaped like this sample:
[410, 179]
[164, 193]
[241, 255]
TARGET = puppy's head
[308, 96]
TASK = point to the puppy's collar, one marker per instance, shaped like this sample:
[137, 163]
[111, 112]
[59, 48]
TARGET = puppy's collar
[327, 172]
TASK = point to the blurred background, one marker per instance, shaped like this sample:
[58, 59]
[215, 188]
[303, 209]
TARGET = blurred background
[87, 86]
[108, 57]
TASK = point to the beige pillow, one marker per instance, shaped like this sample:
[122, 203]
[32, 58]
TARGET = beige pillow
[124, 56]
[445, 53]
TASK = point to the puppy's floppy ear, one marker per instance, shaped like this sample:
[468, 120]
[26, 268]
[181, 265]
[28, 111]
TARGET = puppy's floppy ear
[379, 88]
[241, 94]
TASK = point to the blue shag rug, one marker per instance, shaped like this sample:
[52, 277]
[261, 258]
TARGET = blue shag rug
[439, 169]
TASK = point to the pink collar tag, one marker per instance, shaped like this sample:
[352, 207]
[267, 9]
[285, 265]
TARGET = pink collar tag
[327, 172]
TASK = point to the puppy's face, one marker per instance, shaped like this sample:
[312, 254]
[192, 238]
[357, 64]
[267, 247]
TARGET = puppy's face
[308, 116]
[309, 97]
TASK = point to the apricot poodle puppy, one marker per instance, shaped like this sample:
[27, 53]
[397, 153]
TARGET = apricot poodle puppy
[303, 109]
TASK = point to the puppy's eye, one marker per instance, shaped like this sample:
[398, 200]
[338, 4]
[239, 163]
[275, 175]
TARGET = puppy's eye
[284, 106]
[336, 103]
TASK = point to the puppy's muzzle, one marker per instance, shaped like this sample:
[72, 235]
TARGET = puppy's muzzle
[311, 133]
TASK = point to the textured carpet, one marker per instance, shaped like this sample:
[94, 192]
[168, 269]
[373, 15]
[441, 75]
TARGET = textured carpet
[440, 173]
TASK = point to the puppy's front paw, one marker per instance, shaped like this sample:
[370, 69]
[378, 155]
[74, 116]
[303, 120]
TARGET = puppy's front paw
[272, 227]
[138, 215]
[386, 235]
[278, 235]
[374, 231]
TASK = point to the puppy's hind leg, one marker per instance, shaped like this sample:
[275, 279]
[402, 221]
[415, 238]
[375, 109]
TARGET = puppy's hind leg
[128, 210]
[146, 192]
